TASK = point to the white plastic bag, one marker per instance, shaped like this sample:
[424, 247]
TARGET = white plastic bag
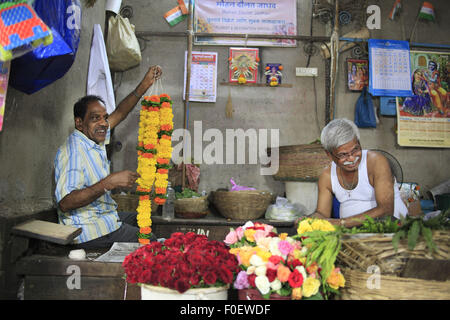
[122, 45]
[284, 210]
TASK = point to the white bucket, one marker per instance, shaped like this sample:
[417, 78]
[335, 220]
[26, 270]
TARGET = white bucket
[149, 292]
[304, 193]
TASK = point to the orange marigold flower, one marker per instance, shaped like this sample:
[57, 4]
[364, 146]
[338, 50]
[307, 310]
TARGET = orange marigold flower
[144, 241]
[166, 127]
[165, 105]
[142, 189]
[164, 95]
[153, 109]
[163, 171]
[155, 98]
[147, 155]
[159, 200]
[162, 161]
[164, 136]
[149, 146]
[160, 190]
[145, 230]
[142, 198]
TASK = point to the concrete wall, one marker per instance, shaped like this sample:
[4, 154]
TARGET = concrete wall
[291, 110]
[35, 125]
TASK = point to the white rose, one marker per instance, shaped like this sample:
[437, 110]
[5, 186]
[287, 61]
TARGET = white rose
[248, 224]
[251, 270]
[303, 251]
[256, 261]
[290, 240]
[275, 284]
[273, 246]
[302, 271]
[263, 284]
[261, 270]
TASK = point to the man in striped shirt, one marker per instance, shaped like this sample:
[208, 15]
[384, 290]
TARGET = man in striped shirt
[82, 173]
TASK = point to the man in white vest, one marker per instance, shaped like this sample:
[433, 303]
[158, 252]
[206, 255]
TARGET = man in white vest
[361, 180]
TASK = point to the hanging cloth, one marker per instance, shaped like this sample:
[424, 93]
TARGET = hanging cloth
[99, 77]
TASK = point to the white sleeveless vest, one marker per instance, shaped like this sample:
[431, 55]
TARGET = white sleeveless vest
[362, 197]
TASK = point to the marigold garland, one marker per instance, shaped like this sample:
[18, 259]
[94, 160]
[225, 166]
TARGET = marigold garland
[164, 148]
[154, 153]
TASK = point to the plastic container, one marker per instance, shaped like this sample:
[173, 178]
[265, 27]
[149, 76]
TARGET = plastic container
[168, 210]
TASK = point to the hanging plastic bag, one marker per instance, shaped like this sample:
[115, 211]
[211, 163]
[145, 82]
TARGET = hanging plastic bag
[122, 45]
[44, 65]
[238, 187]
[364, 111]
[284, 210]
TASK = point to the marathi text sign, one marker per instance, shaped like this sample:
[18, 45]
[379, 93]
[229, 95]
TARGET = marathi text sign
[274, 17]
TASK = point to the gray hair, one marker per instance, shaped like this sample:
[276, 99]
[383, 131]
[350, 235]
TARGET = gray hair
[337, 133]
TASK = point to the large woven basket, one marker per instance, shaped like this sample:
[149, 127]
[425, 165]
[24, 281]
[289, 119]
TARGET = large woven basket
[191, 207]
[129, 202]
[358, 252]
[242, 205]
[304, 162]
[362, 286]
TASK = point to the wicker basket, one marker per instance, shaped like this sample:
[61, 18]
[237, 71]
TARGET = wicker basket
[359, 286]
[360, 251]
[304, 162]
[191, 208]
[130, 202]
[242, 205]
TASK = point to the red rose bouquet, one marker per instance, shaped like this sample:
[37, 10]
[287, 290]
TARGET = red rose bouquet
[182, 262]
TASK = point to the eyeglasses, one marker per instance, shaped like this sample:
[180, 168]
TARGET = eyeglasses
[346, 155]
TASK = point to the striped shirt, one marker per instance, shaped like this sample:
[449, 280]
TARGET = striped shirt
[80, 163]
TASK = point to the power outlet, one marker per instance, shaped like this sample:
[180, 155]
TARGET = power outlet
[306, 72]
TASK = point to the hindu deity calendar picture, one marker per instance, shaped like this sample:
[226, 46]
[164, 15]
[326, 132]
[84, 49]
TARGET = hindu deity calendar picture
[357, 74]
[423, 118]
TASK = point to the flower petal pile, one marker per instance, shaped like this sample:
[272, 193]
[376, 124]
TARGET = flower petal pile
[182, 262]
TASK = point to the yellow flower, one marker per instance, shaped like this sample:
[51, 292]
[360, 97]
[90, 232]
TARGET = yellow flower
[310, 287]
[336, 279]
[283, 236]
[322, 225]
[297, 254]
[304, 226]
[296, 294]
[245, 254]
[263, 254]
[249, 234]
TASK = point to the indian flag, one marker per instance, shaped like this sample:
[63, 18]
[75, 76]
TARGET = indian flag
[174, 16]
[395, 9]
[184, 6]
[427, 11]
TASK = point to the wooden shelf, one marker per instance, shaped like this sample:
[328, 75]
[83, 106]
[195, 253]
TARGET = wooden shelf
[283, 85]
